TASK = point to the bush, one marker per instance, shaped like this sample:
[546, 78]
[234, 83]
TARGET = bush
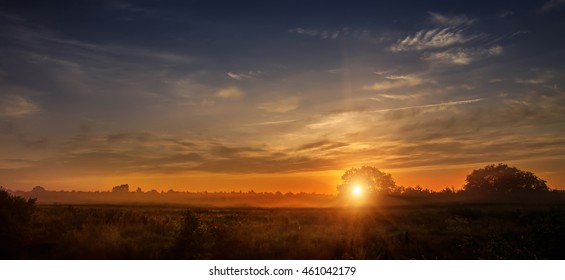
[190, 240]
[15, 218]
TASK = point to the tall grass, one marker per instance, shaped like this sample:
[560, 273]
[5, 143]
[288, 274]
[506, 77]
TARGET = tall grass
[425, 232]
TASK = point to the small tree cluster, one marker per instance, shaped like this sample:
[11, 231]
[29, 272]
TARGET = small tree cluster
[121, 189]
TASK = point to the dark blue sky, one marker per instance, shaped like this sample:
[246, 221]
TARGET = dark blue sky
[161, 91]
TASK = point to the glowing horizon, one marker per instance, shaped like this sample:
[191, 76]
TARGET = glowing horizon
[191, 97]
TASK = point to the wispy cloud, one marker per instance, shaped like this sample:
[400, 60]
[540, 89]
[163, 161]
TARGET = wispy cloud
[125, 51]
[437, 105]
[530, 81]
[450, 32]
[241, 76]
[281, 106]
[538, 77]
[15, 106]
[322, 145]
[551, 5]
[462, 56]
[449, 20]
[344, 32]
[432, 39]
[151, 153]
[397, 96]
[230, 93]
[23, 139]
[394, 82]
[272, 122]
[323, 34]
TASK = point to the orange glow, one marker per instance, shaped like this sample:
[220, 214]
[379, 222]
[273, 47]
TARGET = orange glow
[357, 191]
[323, 182]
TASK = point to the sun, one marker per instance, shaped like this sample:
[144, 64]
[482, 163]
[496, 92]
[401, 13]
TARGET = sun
[357, 190]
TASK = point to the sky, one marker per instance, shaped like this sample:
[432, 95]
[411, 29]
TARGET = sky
[277, 95]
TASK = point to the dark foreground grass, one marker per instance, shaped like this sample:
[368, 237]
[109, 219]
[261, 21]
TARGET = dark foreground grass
[481, 231]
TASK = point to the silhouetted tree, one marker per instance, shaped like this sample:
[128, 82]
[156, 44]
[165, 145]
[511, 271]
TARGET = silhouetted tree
[369, 178]
[15, 219]
[503, 179]
[38, 189]
[121, 189]
[448, 190]
[416, 191]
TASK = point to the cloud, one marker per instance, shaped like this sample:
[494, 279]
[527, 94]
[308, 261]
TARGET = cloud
[397, 96]
[333, 34]
[322, 34]
[230, 152]
[438, 38]
[23, 139]
[241, 76]
[462, 56]
[449, 20]
[15, 106]
[57, 48]
[394, 82]
[551, 5]
[280, 106]
[274, 122]
[152, 153]
[437, 105]
[118, 50]
[230, 93]
[431, 39]
[304, 31]
[539, 77]
[273, 163]
[472, 134]
[531, 81]
[322, 145]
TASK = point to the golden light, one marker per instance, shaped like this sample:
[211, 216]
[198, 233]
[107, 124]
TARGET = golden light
[357, 191]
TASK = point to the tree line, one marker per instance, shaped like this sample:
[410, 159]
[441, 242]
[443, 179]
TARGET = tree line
[491, 179]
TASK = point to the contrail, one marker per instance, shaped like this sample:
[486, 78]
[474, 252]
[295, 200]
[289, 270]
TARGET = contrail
[270, 123]
[452, 103]
[445, 104]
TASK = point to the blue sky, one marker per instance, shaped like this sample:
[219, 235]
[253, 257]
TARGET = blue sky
[94, 93]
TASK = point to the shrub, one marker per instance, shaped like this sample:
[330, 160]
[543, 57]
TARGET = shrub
[15, 218]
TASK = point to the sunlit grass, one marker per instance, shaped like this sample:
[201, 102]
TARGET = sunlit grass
[109, 232]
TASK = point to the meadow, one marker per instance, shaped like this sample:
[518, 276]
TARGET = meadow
[415, 231]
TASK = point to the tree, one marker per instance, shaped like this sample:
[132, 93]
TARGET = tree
[38, 189]
[368, 178]
[502, 178]
[121, 189]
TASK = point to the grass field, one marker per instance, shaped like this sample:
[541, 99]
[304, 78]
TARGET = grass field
[446, 231]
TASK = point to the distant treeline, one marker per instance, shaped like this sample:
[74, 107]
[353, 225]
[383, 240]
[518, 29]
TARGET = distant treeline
[402, 197]
[122, 195]
[493, 183]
